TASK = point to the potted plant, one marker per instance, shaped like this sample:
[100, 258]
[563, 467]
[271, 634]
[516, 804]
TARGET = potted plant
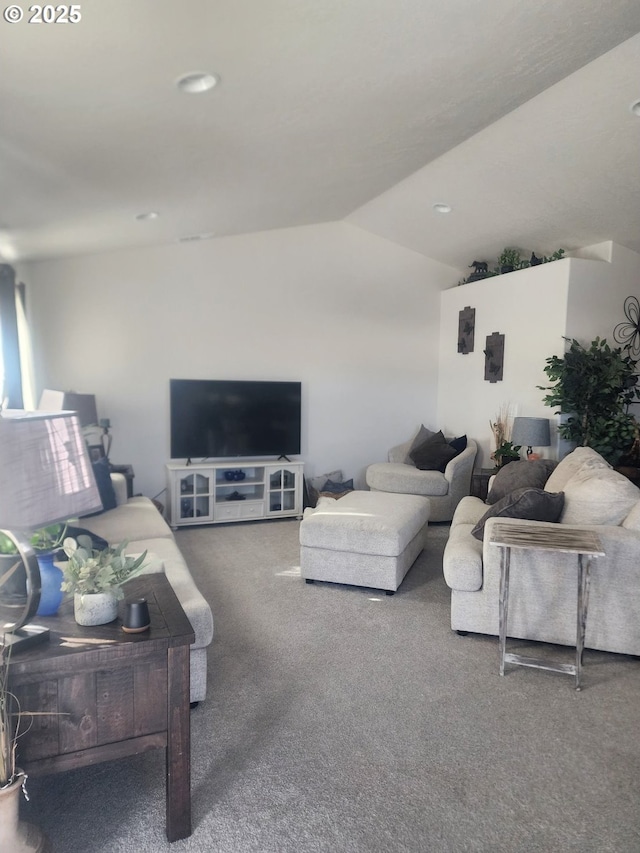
[505, 453]
[95, 578]
[15, 836]
[594, 386]
[46, 542]
[509, 260]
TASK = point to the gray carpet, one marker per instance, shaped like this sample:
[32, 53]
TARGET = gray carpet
[339, 719]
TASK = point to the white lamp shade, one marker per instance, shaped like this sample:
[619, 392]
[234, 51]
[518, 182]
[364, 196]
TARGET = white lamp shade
[45, 472]
[532, 432]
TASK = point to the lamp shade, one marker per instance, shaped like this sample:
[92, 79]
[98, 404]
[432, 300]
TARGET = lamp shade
[532, 432]
[45, 472]
[70, 401]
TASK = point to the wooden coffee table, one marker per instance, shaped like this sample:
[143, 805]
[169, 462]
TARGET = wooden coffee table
[112, 694]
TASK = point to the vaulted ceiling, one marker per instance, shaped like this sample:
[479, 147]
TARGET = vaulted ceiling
[516, 114]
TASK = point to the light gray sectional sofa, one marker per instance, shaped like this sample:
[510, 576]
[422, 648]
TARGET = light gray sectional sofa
[137, 521]
[543, 585]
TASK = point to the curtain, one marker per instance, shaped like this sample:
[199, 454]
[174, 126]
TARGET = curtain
[16, 369]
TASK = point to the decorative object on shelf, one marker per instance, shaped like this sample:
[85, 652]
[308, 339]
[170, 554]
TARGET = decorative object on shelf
[505, 453]
[594, 386]
[239, 475]
[510, 260]
[105, 425]
[229, 475]
[136, 616]
[494, 357]
[628, 332]
[95, 578]
[236, 496]
[501, 430]
[532, 432]
[45, 478]
[480, 270]
[466, 330]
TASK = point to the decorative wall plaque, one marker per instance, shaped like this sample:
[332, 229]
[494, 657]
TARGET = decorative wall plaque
[494, 357]
[466, 330]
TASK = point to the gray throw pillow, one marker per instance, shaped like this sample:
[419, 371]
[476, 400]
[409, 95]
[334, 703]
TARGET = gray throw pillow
[423, 435]
[526, 503]
[433, 454]
[517, 475]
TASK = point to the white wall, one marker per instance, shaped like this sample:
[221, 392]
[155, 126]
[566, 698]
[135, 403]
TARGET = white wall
[353, 316]
[535, 309]
[529, 308]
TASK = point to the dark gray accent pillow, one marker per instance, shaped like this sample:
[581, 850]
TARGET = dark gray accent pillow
[423, 435]
[526, 503]
[517, 475]
[433, 454]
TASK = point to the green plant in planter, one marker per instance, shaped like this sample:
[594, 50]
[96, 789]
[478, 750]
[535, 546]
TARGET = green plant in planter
[506, 452]
[42, 541]
[510, 260]
[90, 571]
[594, 386]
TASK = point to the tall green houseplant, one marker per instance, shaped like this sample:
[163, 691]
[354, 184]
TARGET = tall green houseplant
[594, 386]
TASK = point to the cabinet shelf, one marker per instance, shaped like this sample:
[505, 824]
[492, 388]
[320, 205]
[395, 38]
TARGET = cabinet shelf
[199, 494]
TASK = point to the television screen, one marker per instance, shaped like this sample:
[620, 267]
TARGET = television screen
[220, 418]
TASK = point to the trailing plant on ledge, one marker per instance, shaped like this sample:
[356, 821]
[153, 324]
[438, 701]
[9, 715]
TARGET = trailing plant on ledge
[594, 386]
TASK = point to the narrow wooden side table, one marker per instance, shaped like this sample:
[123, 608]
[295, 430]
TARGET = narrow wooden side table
[561, 539]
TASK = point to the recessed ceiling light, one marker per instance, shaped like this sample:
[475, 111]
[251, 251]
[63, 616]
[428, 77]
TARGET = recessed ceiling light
[635, 108]
[197, 82]
[440, 207]
[144, 217]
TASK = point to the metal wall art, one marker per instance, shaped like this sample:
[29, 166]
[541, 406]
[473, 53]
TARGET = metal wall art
[466, 330]
[494, 357]
[628, 333]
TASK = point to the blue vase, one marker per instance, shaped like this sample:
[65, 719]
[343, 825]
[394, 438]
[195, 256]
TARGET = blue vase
[51, 578]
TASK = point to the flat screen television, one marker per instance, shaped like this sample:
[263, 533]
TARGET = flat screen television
[222, 418]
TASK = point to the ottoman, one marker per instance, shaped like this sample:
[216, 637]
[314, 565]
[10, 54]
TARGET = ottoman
[364, 538]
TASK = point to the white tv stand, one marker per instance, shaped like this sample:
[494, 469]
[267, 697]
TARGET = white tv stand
[208, 493]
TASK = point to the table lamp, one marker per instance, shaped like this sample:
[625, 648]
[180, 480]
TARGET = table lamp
[46, 477]
[532, 432]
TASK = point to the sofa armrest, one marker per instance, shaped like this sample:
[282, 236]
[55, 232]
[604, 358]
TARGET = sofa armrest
[458, 472]
[119, 482]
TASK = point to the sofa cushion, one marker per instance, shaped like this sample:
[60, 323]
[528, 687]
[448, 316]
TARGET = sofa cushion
[532, 504]
[179, 576]
[406, 479]
[598, 495]
[137, 519]
[571, 464]
[366, 523]
[517, 475]
[632, 521]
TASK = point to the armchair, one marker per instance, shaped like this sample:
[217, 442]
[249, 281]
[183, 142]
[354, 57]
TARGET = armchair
[445, 489]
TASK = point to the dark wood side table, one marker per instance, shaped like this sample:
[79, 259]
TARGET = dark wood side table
[480, 482]
[112, 694]
[127, 470]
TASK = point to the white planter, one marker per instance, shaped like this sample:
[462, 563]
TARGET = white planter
[96, 608]
[16, 835]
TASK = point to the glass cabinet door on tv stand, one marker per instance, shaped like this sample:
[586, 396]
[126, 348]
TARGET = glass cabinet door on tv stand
[219, 492]
[283, 489]
[193, 496]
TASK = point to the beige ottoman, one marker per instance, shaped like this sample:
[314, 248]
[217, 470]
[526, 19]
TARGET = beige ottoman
[364, 538]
